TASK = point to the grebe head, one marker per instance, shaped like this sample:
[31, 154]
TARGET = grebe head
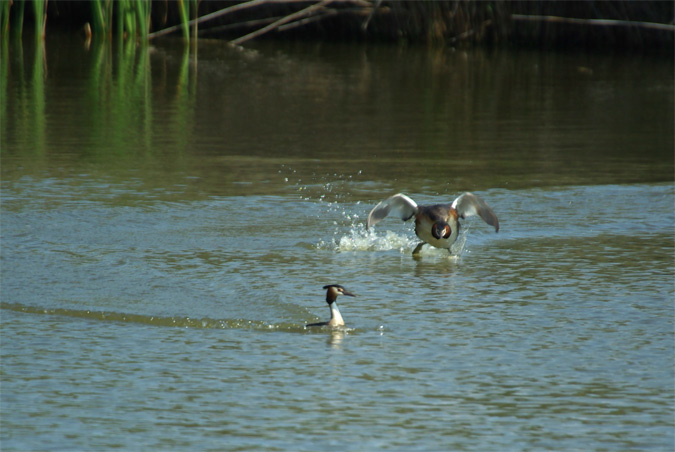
[333, 290]
[441, 229]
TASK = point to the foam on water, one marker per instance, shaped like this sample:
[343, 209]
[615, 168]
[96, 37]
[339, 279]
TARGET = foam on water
[357, 238]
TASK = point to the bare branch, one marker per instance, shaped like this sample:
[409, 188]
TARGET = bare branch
[290, 18]
[308, 20]
[596, 22]
[206, 18]
[240, 7]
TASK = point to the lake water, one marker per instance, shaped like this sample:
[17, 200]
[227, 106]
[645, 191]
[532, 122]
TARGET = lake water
[169, 217]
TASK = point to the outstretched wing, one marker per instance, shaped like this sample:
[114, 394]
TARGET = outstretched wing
[399, 205]
[469, 204]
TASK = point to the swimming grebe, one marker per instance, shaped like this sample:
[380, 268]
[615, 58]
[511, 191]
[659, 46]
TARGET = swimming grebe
[332, 292]
[437, 224]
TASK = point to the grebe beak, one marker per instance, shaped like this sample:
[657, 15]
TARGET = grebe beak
[441, 230]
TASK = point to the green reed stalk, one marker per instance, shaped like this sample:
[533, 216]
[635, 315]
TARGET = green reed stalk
[184, 112]
[119, 12]
[4, 78]
[130, 21]
[184, 10]
[19, 17]
[4, 18]
[195, 15]
[98, 17]
[143, 17]
[132, 17]
[38, 122]
[144, 83]
[40, 10]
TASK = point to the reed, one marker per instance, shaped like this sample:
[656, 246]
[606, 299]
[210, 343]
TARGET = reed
[4, 18]
[98, 17]
[40, 12]
[38, 123]
[130, 17]
[195, 15]
[143, 13]
[24, 108]
[184, 11]
[4, 81]
[643, 25]
[184, 101]
[119, 96]
[20, 13]
[133, 18]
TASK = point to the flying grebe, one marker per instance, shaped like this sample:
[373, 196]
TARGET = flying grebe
[332, 292]
[438, 224]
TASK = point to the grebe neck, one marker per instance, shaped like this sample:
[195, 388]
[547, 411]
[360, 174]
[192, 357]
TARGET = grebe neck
[335, 316]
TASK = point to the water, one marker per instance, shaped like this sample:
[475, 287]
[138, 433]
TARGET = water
[167, 228]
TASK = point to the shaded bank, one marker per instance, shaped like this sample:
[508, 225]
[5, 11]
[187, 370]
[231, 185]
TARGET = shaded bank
[619, 25]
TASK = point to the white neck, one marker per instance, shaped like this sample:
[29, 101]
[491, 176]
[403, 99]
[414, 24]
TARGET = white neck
[335, 316]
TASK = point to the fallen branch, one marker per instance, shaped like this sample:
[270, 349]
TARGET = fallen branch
[329, 12]
[308, 20]
[206, 18]
[290, 18]
[240, 7]
[594, 22]
[246, 24]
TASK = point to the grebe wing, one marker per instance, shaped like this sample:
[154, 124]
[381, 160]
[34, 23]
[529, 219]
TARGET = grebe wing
[469, 204]
[399, 205]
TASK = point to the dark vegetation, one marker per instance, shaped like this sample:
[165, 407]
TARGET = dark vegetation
[646, 26]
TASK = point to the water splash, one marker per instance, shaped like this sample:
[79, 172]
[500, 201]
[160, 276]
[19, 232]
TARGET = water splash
[329, 187]
[357, 238]
[330, 192]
